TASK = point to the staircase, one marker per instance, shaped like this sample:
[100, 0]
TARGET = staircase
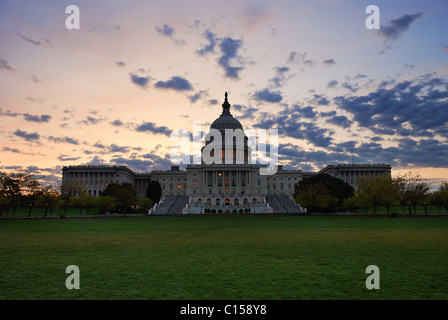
[283, 204]
[171, 205]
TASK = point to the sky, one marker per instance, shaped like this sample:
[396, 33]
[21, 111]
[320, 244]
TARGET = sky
[113, 91]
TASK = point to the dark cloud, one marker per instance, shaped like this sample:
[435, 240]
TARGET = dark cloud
[213, 101]
[157, 162]
[166, 30]
[140, 81]
[27, 136]
[280, 76]
[244, 111]
[397, 26]
[120, 63]
[418, 108]
[117, 123]
[320, 100]
[151, 127]
[266, 95]
[5, 65]
[332, 84]
[92, 120]
[45, 43]
[33, 118]
[341, 121]
[195, 97]
[11, 150]
[229, 48]
[210, 47]
[64, 157]
[300, 58]
[64, 140]
[175, 83]
[169, 32]
[289, 123]
[328, 114]
[329, 62]
[8, 113]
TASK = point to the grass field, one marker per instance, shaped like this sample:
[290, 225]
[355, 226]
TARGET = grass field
[225, 257]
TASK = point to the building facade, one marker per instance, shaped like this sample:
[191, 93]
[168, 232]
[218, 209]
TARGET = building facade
[350, 173]
[224, 180]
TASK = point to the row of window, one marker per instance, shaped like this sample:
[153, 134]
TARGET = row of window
[227, 202]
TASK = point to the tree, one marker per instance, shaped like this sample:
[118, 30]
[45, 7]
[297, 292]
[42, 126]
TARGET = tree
[154, 191]
[16, 186]
[440, 197]
[375, 191]
[333, 193]
[315, 197]
[411, 190]
[124, 194]
[144, 204]
[84, 201]
[50, 199]
[104, 203]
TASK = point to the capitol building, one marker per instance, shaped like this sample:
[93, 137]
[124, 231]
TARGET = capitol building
[226, 180]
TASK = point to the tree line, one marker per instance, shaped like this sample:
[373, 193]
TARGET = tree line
[324, 193]
[24, 190]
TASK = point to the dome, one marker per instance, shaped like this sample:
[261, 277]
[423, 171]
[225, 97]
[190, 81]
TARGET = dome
[226, 120]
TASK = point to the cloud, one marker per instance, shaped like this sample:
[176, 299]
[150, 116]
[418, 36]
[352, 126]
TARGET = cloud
[33, 118]
[329, 62]
[320, 100]
[210, 47]
[64, 140]
[266, 95]
[332, 84]
[169, 32]
[398, 26]
[166, 30]
[416, 108]
[300, 58]
[11, 150]
[289, 123]
[229, 48]
[175, 83]
[117, 123]
[92, 120]
[27, 136]
[195, 97]
[45, 43]
[140, 81]
[280, 76]
[306, 112]
[151, 127]
[341, 121]
[8, 113]
[64, 157]
[120, 63]
[5, 65]
[245, 112]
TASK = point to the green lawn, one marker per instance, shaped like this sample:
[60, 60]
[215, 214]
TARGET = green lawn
[225, 257]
